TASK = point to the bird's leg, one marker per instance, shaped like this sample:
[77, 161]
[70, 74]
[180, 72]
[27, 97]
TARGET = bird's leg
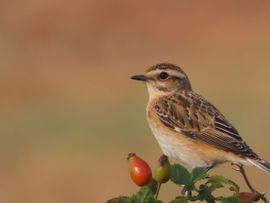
[208, 168]
[185, 192]
[241, 169]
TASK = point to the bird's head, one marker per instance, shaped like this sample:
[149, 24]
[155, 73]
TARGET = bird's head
[164, 78]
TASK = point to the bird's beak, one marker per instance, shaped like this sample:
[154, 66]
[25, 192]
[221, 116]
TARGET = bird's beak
[139, 77]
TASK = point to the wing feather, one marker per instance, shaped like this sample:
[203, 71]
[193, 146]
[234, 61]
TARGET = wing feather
[191, 115]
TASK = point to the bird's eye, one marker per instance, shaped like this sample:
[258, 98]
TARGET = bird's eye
[163, 75]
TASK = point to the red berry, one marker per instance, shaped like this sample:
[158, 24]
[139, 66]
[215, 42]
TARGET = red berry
[247, 197]
[140, 172]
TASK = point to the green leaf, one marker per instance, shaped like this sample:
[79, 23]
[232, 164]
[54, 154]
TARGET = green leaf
[229, 200]
[180, 175]
[219, 181]
[144, 196]
[205, 193]
[180, 199]
[120, 200]
[198, 174]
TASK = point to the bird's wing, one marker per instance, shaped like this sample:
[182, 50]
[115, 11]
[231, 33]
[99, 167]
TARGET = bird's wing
[191, 115]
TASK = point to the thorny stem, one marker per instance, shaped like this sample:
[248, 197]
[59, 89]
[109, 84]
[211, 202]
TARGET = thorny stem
[243, 172]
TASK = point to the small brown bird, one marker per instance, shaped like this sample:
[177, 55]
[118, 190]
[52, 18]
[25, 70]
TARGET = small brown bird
[187, 127]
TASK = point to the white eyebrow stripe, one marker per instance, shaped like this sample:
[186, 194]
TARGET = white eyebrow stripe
[176, 73]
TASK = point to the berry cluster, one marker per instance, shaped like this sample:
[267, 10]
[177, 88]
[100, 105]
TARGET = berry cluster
[197, 185]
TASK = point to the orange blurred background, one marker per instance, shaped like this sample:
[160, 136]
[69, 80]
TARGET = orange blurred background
[69, 112]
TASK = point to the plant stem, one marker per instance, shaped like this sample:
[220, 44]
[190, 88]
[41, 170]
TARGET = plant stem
[243, 172]
[157, 192]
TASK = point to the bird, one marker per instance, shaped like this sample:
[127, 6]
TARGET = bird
[189, 128]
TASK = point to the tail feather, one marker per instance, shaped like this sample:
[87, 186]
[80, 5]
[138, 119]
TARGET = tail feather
[261, 164]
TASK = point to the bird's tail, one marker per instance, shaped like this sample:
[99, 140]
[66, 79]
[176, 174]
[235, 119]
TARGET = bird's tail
[261, 164]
